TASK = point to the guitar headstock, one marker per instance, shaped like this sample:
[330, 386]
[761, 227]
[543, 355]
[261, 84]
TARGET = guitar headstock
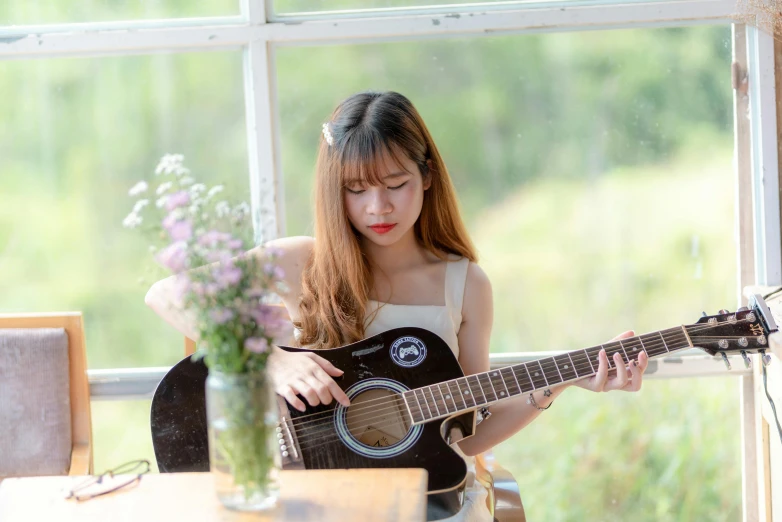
[744, 331]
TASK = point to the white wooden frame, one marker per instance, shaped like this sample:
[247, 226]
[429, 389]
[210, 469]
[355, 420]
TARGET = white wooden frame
[257, 31]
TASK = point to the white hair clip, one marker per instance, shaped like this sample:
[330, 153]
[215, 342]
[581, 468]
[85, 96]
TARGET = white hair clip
[327, 134]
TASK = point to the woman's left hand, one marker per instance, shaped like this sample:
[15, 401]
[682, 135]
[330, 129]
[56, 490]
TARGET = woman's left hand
[620, 379]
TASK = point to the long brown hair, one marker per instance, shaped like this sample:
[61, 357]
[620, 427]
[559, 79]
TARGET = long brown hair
[337, 280]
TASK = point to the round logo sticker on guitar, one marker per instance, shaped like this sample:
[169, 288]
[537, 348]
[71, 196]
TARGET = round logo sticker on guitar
[408, 351]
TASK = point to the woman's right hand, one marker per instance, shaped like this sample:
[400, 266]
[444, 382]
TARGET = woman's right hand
[305, 374]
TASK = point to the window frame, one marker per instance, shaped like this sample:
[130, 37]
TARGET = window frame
[258, 32]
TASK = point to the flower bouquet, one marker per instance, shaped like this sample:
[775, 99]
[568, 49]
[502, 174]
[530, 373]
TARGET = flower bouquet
[204, 241]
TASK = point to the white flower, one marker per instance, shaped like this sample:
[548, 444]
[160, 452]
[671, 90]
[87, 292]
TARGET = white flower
[214, 190]
[222, 209]
[138, 188]
[241, 209]
[186, 180]
[197, 188]
[181, 171]
[163, 187]
[169, 163]
[160, 203]
[140, 204]
[132, 221]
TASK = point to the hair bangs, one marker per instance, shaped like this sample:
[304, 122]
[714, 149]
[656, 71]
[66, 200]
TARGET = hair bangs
[364, 159]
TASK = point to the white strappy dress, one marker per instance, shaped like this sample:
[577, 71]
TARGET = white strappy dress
[445, 322]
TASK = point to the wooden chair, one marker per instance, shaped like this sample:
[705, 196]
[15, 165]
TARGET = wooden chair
[34, 330]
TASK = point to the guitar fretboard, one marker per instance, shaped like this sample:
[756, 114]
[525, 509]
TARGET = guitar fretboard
[475, 391]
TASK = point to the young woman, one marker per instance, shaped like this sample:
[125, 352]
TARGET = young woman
[391, 250]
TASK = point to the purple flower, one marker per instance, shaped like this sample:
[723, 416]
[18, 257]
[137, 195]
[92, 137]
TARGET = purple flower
[274, 270]
[173, 257]
[256, 344]
[177, 199]
[221, 315]
[223, 256]
[227, 275]
[273, 319]
[210, 238]
[181, 230]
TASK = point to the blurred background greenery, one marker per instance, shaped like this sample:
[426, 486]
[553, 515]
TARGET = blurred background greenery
[594, 171]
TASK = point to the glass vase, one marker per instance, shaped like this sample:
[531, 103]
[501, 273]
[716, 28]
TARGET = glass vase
[244, 454]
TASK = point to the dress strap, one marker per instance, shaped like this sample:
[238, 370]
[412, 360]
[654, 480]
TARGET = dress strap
[455, 281]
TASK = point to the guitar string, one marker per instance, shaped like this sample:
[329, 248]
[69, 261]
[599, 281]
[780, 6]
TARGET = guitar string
[384, 401]
[382, 412]
[321, 437]
[584, 366]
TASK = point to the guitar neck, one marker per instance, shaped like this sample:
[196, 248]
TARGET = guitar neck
[476, 391]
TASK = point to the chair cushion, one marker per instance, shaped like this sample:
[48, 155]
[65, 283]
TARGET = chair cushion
[35, 403]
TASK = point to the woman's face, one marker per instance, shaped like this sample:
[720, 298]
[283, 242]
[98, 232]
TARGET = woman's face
[387, 212]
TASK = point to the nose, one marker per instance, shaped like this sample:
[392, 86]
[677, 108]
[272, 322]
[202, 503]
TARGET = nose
[379, 202]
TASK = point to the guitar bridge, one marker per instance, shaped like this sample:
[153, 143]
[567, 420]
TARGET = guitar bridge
[286, 436]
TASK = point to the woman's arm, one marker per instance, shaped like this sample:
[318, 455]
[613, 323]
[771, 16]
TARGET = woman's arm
[510, 416]
[293, 253]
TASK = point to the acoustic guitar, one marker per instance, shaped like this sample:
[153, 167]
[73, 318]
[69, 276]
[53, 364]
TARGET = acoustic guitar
[407, 391]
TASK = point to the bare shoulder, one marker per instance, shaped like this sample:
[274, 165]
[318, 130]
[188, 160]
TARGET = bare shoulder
[477, 292]
[292, 255]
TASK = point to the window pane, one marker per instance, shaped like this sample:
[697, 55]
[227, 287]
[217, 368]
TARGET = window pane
[24, 12]
[595, 174]
[121, 433]
[77, 135]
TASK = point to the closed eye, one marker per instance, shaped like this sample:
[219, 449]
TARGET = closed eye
[398, 186]
[354, 191]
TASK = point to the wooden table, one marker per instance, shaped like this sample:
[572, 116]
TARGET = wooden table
[361, 495]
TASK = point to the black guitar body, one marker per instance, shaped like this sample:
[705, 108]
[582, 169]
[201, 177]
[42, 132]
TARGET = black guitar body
[377, 369]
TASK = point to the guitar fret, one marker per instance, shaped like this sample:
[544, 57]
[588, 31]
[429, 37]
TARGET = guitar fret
[567, 371]
[466, 392]
[627, 357]
[525, 384]
[608, 357]
[537, 382]
[415, 409]
[517, 389]
[641, 340]
[472, 390]
[561, 379]
[445, 403]
[488, 391]
[578, 359]
[543, 372]
[434, 401]
[460, 404]
[421, 392]
[590, 361]
[495, 377]
[664, 343]
[447, 396]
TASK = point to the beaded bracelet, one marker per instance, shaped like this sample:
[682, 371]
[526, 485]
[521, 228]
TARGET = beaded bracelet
[531, 400]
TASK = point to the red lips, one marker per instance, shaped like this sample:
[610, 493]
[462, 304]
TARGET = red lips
[384, 228]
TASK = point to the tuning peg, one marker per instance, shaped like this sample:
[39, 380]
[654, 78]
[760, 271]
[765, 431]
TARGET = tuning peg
[747, 362]
[723, 311]
[705, 314]
[725, 360]
[766, 358]
[742, 309]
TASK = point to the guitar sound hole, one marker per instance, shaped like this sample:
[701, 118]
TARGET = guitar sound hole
[377, 418]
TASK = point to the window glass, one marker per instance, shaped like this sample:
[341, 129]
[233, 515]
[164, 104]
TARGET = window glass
[35, 12]
[77, 135]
